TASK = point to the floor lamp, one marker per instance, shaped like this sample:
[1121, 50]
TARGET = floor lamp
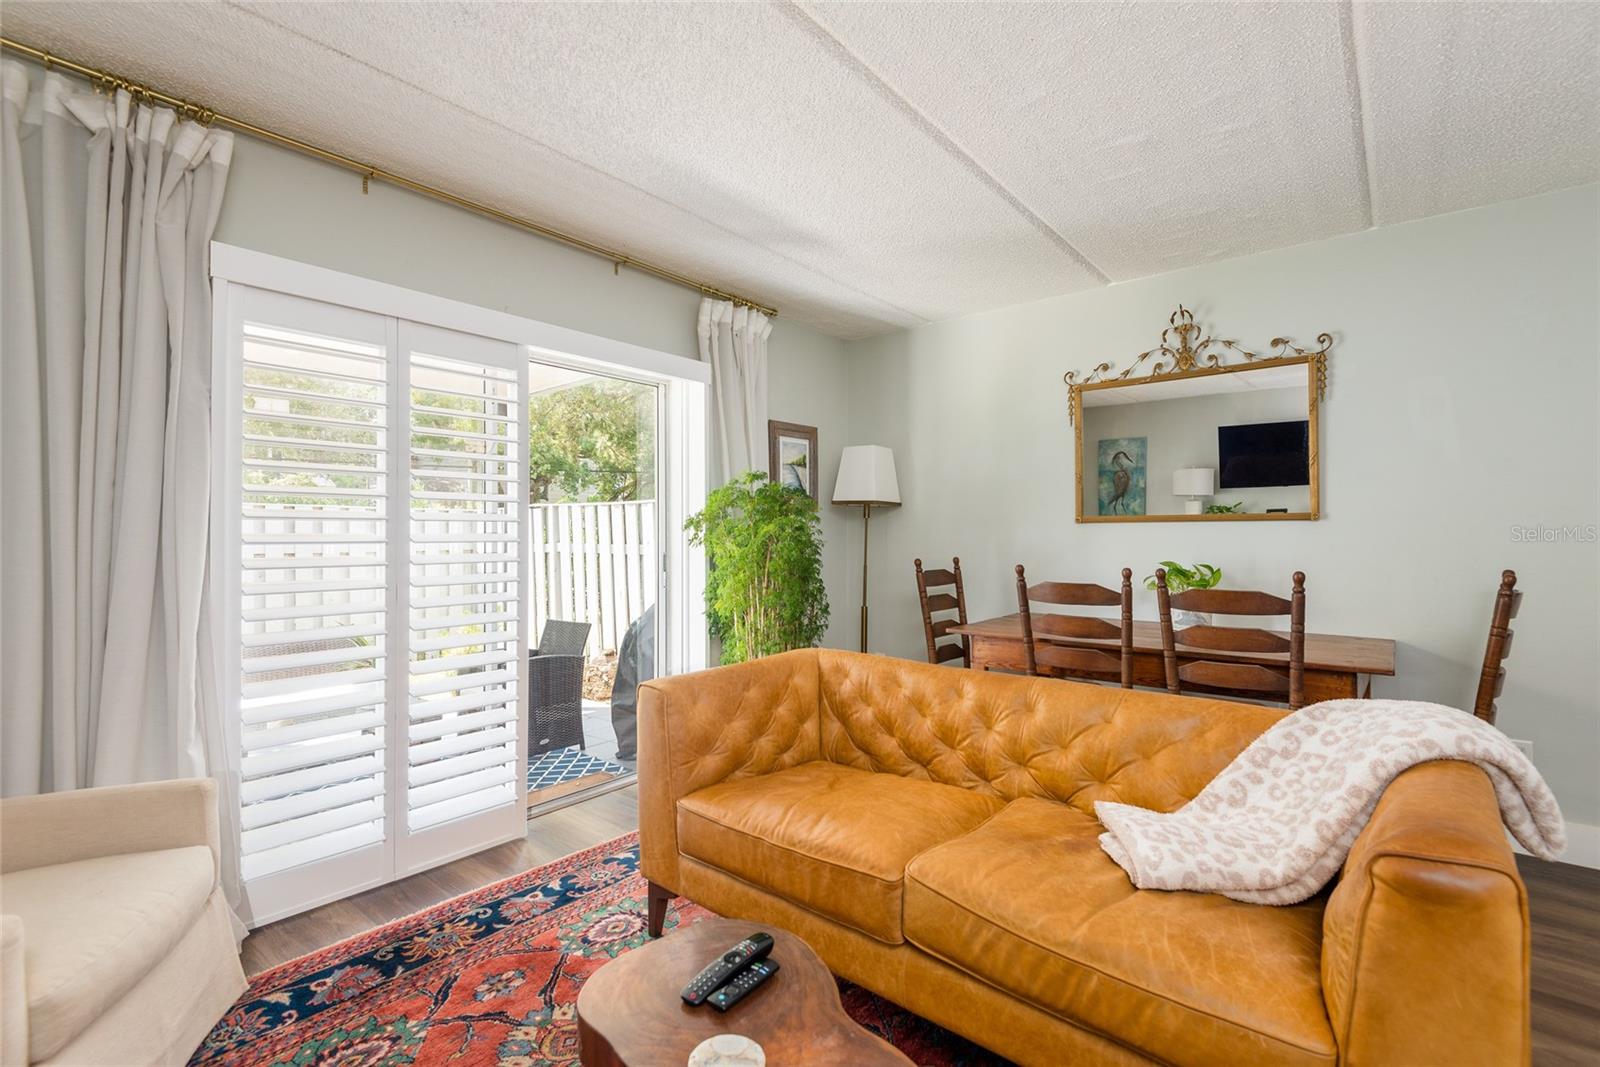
[866, 480]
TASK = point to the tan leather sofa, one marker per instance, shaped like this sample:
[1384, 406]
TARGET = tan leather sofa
[931, 833]
[116, 946]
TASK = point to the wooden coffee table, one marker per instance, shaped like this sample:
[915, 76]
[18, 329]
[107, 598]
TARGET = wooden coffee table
[630, 1015]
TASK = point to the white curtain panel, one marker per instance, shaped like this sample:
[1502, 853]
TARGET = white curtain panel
[107, 208]
[734, 341]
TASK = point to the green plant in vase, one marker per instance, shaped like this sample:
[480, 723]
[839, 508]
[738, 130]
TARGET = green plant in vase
[764, 590]
[1181, 579]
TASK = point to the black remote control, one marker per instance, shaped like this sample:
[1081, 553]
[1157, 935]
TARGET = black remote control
[725, 966]
[742, 983]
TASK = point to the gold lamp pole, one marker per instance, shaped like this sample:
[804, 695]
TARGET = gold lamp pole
[866, 480]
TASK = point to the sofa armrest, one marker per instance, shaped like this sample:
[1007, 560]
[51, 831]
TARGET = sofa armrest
[1425, 940]
[80, 824]
[13, 993]
[699, 729]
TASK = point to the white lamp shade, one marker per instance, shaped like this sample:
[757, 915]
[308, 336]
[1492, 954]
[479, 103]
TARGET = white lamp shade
[866, 476]
[1194, 481]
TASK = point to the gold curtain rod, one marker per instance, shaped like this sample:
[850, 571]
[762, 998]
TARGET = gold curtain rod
[110, 82]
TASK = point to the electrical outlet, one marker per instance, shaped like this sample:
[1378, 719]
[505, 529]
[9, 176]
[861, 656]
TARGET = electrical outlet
[1525, 747]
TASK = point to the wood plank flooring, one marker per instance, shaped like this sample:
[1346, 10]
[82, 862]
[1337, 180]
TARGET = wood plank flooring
[1564, 901]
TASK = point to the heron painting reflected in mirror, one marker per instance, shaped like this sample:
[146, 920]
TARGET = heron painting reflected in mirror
[1122, 475]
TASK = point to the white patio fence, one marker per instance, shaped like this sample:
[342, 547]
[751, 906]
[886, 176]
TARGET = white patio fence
[593, 563]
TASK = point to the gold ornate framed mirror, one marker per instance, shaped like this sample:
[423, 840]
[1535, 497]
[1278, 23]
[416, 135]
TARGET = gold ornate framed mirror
[1209, 432]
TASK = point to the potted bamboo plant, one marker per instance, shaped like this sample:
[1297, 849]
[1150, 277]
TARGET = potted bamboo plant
[764, 590]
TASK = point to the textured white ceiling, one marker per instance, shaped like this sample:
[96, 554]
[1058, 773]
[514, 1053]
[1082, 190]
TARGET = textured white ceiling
[866, 166]
[1150, 136]
[1495, 103]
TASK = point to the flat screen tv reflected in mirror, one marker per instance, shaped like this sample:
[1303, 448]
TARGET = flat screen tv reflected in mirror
[1260, 454]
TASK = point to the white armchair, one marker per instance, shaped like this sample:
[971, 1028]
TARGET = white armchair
[115, 940]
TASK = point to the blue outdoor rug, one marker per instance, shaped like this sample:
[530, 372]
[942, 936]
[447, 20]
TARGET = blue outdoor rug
[566, 764]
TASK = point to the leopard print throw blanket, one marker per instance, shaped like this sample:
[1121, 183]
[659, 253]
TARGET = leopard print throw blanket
[1277, 823]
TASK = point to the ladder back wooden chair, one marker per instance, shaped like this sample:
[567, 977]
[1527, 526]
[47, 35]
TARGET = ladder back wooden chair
[938, 603]
[1046, 657]
[1493, 678]
[1286, 684]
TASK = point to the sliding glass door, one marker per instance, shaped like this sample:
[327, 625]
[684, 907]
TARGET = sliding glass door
[594, 569]
[447, 545]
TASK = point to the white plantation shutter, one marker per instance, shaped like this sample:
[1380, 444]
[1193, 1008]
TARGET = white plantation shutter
[379, 637]
[464, 598]
[314, 465]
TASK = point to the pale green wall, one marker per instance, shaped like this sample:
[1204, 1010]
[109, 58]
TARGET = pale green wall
[1462, 401]
[288, 205]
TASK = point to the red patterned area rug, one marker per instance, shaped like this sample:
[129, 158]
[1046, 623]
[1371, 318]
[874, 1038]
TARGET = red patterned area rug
[489, 978]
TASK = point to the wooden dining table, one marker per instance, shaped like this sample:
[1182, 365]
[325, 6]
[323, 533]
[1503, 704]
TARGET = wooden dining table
[1335, 664]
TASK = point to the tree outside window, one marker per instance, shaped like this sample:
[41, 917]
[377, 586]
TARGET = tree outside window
[593, 441]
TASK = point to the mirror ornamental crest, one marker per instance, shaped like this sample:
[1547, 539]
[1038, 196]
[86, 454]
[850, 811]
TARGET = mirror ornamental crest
[1180, 352]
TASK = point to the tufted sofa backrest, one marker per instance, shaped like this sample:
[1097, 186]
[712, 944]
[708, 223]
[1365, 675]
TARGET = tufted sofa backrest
[1015, 736]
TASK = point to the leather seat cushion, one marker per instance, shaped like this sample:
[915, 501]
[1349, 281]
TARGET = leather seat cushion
[1031, 904]
[93, 928]
[830, 838]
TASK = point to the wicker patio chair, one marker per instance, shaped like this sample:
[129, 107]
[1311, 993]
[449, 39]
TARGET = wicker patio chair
[555, 687]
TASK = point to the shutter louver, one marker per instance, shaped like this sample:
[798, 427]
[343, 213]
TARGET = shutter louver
[313, 600]
[464, 657]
